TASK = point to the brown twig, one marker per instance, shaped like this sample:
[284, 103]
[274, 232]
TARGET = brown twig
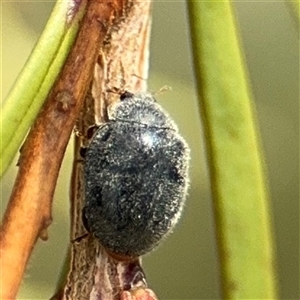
[123, 63]
[29, 210]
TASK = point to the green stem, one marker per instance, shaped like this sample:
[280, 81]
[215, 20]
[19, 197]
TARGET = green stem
[235, 157]
[37, 77]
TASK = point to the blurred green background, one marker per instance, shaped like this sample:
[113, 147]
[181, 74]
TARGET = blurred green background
[186, 266]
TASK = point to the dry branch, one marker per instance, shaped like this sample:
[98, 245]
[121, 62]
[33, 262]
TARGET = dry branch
[122, 63]
[29, 210]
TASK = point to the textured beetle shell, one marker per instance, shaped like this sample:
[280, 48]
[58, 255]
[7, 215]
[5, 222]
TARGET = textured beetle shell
[136, 176]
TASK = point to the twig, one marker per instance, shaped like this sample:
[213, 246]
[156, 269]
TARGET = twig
[122, 63]
[29, 210]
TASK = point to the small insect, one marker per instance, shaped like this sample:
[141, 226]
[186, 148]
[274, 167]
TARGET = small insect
[136, 176]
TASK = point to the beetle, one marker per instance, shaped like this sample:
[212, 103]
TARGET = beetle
[136, 176]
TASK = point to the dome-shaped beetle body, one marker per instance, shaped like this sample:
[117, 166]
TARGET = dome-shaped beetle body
[136, 176]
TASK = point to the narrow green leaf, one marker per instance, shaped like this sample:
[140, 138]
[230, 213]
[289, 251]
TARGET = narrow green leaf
[235, 157]
[37, 77]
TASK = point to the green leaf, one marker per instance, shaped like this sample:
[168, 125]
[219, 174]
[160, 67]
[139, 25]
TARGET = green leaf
[37, 77]
[235, 158]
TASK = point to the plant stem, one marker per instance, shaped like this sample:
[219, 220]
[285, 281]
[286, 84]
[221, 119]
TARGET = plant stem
[238, 182]
[123, 60]
[37, 77]
[28, 213]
